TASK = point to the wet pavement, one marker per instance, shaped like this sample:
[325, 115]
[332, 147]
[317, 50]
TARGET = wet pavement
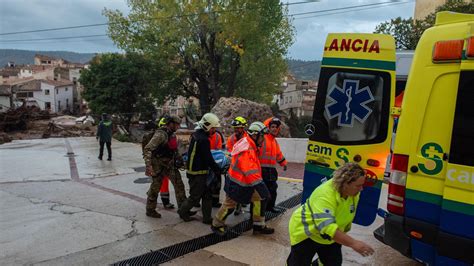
[60, 205]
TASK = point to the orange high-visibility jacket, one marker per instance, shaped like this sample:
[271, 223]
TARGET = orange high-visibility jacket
[216, 141]
[244, 172]
[232, 140]
[270, 153]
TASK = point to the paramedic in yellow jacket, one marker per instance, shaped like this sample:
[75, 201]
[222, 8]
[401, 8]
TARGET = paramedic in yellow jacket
[321, 224]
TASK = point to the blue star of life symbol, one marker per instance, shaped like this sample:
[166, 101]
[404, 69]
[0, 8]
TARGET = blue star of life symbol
[349, 103]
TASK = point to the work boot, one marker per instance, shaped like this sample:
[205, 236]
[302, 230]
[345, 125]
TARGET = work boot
[187, 217]
[153, 214]
[219, 230]
[275, 210]
[168, 206]
[262, 230]
[100, 158]
[207, 221]
[109, 159]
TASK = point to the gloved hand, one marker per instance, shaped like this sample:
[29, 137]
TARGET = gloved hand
[285, 168]
[149, 171]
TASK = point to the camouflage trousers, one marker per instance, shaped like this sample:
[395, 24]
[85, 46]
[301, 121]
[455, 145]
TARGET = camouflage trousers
[175, 178]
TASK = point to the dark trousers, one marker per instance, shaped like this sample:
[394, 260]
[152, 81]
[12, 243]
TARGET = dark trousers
[302, 254]
[109, 149]
[215, 188]
[198, 190]
[270, 177]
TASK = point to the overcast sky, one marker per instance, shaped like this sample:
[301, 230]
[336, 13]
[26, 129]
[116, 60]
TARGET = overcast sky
[311, 29]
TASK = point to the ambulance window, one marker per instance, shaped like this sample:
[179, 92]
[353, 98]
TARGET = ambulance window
[462, 141]
[352, 106]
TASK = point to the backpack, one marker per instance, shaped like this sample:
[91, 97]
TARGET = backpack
[146, 139]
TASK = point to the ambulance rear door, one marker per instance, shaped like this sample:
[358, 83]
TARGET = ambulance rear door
[352, 114]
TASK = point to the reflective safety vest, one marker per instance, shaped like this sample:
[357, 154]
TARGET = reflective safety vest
[232, 140]
[270, 153]
[322, 214]
[244, 168]
[216, 141]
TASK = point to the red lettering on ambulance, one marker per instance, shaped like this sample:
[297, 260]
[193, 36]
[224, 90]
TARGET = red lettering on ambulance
[375, 47]
[356, 48]
[365, 45]
[346, 44]
[334, 45]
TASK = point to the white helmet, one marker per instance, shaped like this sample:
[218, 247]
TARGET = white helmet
[257, 128]
[208, 121]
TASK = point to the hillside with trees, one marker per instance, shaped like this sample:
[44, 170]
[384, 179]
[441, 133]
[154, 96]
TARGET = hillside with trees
[25, 57]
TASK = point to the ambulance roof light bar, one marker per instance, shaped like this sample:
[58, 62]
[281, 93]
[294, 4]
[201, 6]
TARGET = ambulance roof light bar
[448, 51]
[470, 47]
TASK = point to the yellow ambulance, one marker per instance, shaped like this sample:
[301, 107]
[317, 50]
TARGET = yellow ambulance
[430, 201]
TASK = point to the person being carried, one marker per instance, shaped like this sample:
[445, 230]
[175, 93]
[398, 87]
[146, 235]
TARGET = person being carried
[321, 224]
[245, 183]
[161, 155]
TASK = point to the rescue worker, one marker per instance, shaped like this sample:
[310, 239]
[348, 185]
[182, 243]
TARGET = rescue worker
[104, 136]
[270, 155]
[238, 124]
[160, 155]
[217, 142]
[321, 224]
[165, 186]
[199, 163]
[245, 183]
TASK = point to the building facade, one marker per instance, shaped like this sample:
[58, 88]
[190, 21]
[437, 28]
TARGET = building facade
[51, 95]
[297, 97]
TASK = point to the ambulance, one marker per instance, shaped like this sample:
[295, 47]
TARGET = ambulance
[430, 205]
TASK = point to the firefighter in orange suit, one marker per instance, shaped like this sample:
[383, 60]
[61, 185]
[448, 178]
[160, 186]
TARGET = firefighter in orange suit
[270, 155]
[245, 183]
[238, 124]
[217, 141]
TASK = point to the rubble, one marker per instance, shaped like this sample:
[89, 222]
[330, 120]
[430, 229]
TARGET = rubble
[4, 138]
[18, 118]
[228, 108]
[33, 123]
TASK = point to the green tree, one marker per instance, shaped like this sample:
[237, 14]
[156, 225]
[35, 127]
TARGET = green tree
[407, 32]
[209, 49]
[119, 84]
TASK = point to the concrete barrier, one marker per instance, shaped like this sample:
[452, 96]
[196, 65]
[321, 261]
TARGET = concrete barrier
[294, 149]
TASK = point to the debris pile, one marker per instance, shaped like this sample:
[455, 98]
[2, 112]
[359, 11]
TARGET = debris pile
[18, 119]
[228, 108]
[32, 123]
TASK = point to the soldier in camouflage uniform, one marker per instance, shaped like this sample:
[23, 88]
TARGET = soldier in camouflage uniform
[161, 155]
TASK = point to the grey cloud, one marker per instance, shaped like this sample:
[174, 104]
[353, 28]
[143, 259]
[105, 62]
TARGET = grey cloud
[20, 15]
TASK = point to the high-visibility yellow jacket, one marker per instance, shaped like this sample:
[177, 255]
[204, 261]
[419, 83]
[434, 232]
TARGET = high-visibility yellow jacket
[322, 214]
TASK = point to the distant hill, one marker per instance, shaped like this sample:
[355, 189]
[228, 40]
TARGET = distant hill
[304, 70]
[23, 57]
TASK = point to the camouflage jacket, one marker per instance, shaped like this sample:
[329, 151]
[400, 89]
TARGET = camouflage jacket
[159, 163]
